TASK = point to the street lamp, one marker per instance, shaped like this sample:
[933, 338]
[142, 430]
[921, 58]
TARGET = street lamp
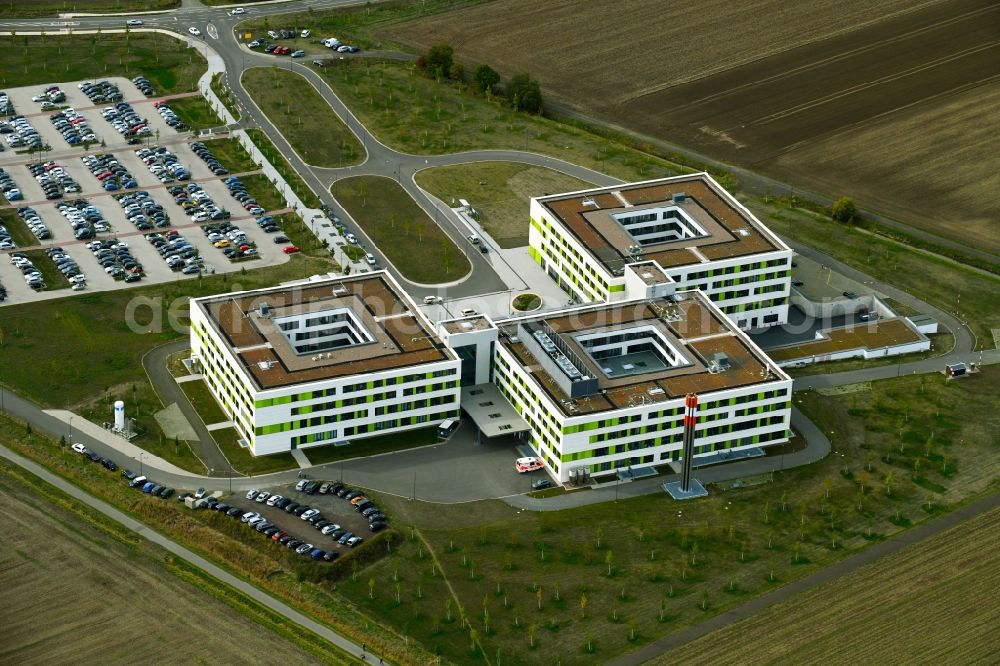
[71, 430]
[141, 453]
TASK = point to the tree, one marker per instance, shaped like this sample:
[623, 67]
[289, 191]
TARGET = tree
[486, 78]
[583, 605]
[844, 210]
[531, 635]
[525, 94]
[609, 559]
[439, 60]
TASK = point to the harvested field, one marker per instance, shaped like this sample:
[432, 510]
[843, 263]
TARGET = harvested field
[500, 191]
[874, 335]
[838, 97]
[107, 602]
[931, 602]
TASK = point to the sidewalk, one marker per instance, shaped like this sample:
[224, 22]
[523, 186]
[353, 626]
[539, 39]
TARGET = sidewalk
[117, 442]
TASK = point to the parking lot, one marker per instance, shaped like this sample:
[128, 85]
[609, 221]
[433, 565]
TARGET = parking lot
[114, 221]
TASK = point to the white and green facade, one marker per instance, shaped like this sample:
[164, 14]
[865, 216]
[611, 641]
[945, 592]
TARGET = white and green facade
[345, 407]
[752, 288]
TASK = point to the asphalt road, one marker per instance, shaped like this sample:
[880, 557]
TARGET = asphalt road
[173, 547]
[384, 161]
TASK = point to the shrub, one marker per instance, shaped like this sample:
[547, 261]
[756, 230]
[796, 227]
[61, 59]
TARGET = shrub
[844, 210]
[486, 78]
[525, 94]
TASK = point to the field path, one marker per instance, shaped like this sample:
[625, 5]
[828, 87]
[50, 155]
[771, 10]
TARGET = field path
[216, 572]
[854, 562]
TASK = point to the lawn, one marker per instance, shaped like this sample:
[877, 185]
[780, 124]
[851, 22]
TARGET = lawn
[19, 231]
[932, 588]
[526, 302]
[54, 279]
[944, 283]
[304, 118]
[415, 114]
[245, 462]
[499, 192]
[232, 155]
[107, 351]
[203, 402]
[584, 585]
[225, 95]
[32, 8]
[370, 446]
[291, 176]
[264, 191]
[307, 586]
[411, 240]
[195, 112]
[167, 62]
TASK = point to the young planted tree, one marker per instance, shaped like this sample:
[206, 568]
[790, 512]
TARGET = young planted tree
[609, 559]
[486, 79]
[583, 605]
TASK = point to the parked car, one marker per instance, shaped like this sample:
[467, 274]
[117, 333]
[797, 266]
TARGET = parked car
[194, 31]
[539, 484]
[79, 448]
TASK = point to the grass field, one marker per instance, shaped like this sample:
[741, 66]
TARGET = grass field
[232, 155]
[263, 190]
[108, 351]
[109, 584]
[281, 164]
[411, 240]
[931, 602]
[412, 113]
[836, 96]
[19, 231]
[167, 62]
[307, 122]
[53, 278]
[195, 112]
[954, 288]
[499, 191]
[30, 8]
[225, 95]
[371, 446]
[203, 401]
[647, 567]
[245, 462]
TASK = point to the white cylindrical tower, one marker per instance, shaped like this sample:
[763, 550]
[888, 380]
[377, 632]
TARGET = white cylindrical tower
[119, 415]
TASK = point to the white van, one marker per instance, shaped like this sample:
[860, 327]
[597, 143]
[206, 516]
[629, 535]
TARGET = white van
[468, 312]
[331, 42]
[447, 427]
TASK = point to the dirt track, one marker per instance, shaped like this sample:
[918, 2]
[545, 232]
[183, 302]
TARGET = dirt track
[74, 595]
[855, 108]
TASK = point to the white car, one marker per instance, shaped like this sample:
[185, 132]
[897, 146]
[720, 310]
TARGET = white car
[370, 258]
[237, 11]
[330, 529]
[352, 239]
[306, 515]
[262, 497]
[273, 499]
[79, 448]
[306, 33]
[198, 494]
[251, 494]
[194, 31]
[431, 300]
[133, 22]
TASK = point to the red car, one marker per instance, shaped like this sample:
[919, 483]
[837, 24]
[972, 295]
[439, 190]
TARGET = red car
[289, 249]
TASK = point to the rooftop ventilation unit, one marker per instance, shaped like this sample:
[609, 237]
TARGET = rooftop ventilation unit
[721, 360]
[339, 289]
[265, 365]
[679, 197]
[656, 390]
[264, 310]
[589, 201]
[467, 325]
[743, 232]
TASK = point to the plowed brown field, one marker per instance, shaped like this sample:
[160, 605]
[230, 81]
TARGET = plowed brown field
[932, 602]
[891, 102]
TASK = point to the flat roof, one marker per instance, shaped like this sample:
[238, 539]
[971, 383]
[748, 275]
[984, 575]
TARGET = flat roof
[730, 230]
[650, 273]
[467, 324]
[491, 412]
[399, 336]
[691, 326]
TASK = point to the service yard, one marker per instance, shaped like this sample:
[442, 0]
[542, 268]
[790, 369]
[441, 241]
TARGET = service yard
[885, 103]
[74, 593]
